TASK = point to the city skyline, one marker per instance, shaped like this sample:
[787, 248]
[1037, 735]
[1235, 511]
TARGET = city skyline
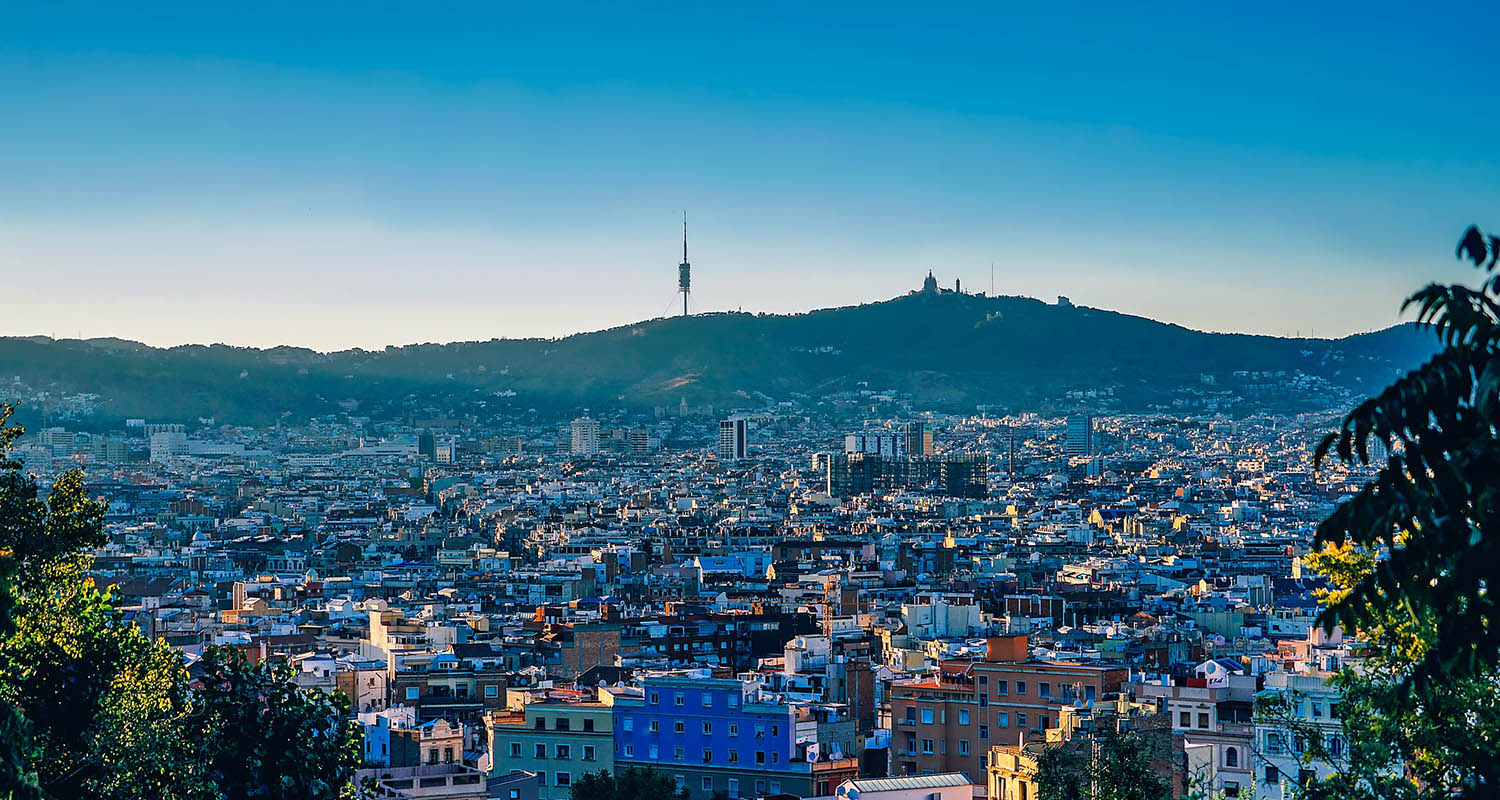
[331, 179]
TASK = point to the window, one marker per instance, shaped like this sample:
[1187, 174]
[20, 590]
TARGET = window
[926, 716]
[678, 699]
[708, 783]
[1089, 693]
[1044, 690]
[515, 749]
[734, 700]
[760, 787]
[655, 699]
[1020, 719]
[588, 724]
[541, 723]
[1002, 719]
[760, 756]
[984, 701]
[708, 728]
[541, 751]
[775, 788]
[1232, 757]
[560, 724]
[630, 751]
[1273, 742]
[911, 715]
[775, 730]
[734, 787]
[708, 755]
[734, 756]
[492, 691]
[708, 700]
[927, 746]
[1184, 719]
[1273, 775]
[1317, 709]
[679, 727]
[1203, 719]
[734, 729]
[963, 747]
[564, 779]
[432, 756]
[911, 744]
[654, 753]
[679, 753]
[1002, 687]
[629, 724]
[541, 778]
[448, 755]
[775, 756]
[1020, 687]
[411, 693]
[1231, 789]
[984, 681]
[655, 725]
[963, 716]
[564, 751]
[760, 731]
[984, 731]
[1335, 746]
[588, 752]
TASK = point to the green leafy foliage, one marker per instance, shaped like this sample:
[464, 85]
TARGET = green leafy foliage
[302, 745]
[92, 708]
[1107, 765]
[630, 783]
[1430, 514]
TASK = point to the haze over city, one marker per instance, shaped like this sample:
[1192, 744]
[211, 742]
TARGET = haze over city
[326, 177]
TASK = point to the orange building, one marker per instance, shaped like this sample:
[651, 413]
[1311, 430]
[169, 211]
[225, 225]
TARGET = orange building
[947, 722]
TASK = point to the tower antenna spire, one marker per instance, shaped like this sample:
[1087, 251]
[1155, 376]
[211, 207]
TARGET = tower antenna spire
[684, 270]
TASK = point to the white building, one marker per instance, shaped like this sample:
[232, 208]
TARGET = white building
[585, 437]
[167, 445]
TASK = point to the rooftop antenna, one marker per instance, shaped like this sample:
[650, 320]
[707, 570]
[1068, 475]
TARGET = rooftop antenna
[684, 270]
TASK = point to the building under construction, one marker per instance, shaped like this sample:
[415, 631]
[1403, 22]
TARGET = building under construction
[952, 475]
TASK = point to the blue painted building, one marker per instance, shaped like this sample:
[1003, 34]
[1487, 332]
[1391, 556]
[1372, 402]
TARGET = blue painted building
[717, 734]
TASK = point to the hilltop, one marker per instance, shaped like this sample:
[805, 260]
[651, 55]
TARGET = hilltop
[947, 350]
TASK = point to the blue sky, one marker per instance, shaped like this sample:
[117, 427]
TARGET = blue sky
[337, 175]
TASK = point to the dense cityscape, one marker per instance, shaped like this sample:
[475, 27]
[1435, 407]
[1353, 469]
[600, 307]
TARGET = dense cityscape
[758, 603]
[812, 401]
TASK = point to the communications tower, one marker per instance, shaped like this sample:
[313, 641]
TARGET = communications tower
[684, 270]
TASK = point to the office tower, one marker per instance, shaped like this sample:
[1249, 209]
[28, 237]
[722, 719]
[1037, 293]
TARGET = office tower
[427, 446]
[585, 437]
[639, 440]
[732, 438]
[1080, 439]
[918, 439]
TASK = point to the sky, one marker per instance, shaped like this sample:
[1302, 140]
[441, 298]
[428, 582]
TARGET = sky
[336, 175]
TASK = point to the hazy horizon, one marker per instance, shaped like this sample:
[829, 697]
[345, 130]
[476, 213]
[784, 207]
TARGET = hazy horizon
[329, 177]
[60, 336]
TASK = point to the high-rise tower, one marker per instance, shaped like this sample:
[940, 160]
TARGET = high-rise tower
[684, 270]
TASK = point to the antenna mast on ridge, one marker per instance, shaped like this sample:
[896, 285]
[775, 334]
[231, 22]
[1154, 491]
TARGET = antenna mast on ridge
[684, 270]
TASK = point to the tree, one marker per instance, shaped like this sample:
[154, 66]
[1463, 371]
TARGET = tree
[92, 708]
[630, 783]
[262, 736]
[1105, 765]
[1410, 558]
[1431, 516]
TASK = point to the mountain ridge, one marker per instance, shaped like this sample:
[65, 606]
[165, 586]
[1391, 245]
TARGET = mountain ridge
[947, 350]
